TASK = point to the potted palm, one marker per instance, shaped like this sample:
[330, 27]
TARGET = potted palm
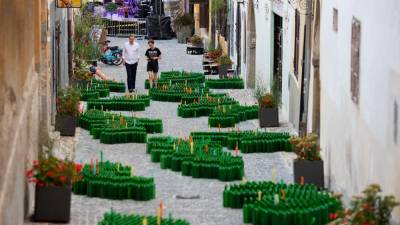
[224, 63]
[67, 111]
[268, 113]
[308, 167]
[53, 180]
[183, 24]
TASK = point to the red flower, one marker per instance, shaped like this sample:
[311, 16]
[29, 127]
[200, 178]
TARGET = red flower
[35, 163]
[78, 168]
[63, 178]
[40, 183]
[29, 173]
[332, 216]
[49, 174]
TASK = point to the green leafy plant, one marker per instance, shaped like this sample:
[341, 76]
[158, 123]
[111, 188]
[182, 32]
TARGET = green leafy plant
[265, 98]
[217, 5]
[68, 101]
[184, 20]
[111, 7]
[84, 46]
[214, 54]
[51, 171]
[80, 71]
[307, 147]
[370, 209]
[224, 60]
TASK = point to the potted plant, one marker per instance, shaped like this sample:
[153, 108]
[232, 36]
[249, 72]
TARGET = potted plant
[183, 24]
[196, 41]
[224, 63]
[67, 111]
[214, 54]
[268, 113]
[111, 8]
[372, 208]
[54, 179]
[308, 167]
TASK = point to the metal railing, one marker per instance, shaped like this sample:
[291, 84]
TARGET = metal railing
[126, 28]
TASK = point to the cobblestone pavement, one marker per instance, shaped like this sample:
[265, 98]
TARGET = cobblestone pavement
[208, 209]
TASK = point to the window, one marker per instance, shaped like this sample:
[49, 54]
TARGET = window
[296, 44]
[335, 20]
[355, 60]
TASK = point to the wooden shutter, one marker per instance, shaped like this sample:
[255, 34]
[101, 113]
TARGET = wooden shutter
[355, 60]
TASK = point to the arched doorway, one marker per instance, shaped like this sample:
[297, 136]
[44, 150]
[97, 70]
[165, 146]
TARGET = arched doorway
[251, 46]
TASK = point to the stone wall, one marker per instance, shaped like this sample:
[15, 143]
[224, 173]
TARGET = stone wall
[25, 106]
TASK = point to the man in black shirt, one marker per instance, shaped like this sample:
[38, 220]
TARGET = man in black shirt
[153, 54]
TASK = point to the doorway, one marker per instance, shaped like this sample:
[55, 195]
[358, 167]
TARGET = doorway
[238, 39]
[277, 63]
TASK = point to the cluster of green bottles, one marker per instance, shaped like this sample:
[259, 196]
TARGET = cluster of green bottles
[113, 86]
[121, 103]
[248, 141]
[94, 119]
[229, 116]
[114, 181]
[226, 83]
[205, 106]
[177, 92]
[114, 218]
[182, 76]
[198, 159]
[268, 203]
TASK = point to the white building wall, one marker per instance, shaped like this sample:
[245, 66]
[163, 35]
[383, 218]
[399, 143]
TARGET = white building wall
[358, 140]
[264, 14]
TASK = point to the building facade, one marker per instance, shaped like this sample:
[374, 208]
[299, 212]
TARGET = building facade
[28, 85]
[360, 95]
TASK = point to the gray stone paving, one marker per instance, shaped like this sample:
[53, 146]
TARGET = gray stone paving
[208, 209]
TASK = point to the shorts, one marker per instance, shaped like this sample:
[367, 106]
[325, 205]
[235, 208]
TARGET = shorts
[152, 66]
[92, 69]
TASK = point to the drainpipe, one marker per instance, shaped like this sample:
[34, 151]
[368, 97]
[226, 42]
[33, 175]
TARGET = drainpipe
[307, 64]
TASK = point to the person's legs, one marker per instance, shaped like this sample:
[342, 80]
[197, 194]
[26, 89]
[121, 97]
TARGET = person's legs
[129, 76]
[150, 78]
[134, 69]
[155, 78]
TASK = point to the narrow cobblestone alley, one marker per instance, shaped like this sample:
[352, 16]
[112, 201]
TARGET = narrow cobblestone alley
[207, 210]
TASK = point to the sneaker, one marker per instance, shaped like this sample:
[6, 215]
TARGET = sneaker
[131, 90]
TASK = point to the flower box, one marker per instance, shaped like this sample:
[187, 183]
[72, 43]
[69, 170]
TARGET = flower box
[311, 171]
[66, 125]
[52, 204]
[268, 117]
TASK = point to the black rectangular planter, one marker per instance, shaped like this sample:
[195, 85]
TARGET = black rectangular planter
[312, 171]
[52, 204]
[268, 117]
[66, 125]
